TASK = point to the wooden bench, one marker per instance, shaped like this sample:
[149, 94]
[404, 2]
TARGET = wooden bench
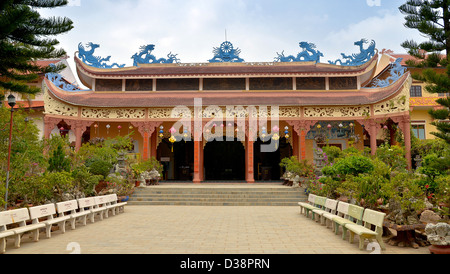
[354, 215]
[69, 208]
[370, 217]
[20, 217]
[319, 204]
[114, 205]
[341, 211]
[328, 208]
[86, 205]
[46, 214]
[308, 206]
[100, 206]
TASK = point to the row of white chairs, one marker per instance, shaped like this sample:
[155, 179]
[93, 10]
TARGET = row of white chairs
[15, 223]
[354, 219]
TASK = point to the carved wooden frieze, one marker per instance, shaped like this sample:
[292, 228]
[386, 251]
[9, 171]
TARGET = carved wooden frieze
[56, 107]
[112, 113]
[336, 112]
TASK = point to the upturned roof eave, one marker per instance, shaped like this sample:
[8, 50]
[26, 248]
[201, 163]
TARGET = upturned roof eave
[289, 98]
[254, 69]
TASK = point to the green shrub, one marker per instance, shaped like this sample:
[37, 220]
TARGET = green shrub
[85, 181]
[100, 167]
[354, 165]
[333, 153]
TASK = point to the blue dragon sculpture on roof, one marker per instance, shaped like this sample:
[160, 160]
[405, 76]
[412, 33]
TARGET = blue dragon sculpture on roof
[57, 80]
[309, 54]
[357, 59]
[396, 71]
[87, 56]
[226, 53]
[150, 58]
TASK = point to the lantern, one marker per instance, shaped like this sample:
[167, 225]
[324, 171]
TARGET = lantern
[119, 127]
[108, 126]
[172, 139]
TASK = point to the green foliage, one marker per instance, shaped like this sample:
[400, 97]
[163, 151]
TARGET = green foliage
[147, 165]
[333, 153]
[296, 167]
[25, 36]
[100, 167]
[354, 165]
[84, 181]
[392, 156]
[42, 189]
[403, 189]
[434, 166]
[58, 161]
[432, 19]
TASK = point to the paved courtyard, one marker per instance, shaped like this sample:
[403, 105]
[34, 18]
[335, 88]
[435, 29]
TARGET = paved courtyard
[200, 230]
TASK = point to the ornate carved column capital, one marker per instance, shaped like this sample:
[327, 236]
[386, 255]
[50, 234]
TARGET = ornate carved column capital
[301, 125]
[146, 127]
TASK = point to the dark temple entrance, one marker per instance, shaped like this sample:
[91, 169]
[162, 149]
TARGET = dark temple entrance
[224, 160]
[178, 162]
[267, 164]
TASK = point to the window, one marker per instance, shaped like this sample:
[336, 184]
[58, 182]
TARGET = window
[419, 131]
[443, 94]
[416, 91]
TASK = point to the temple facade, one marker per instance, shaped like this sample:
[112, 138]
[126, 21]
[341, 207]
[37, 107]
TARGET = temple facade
[227, 119]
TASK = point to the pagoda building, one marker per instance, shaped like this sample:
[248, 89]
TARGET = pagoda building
[227, 119]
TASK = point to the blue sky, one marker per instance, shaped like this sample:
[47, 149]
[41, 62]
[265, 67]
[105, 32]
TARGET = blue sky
[260, 28]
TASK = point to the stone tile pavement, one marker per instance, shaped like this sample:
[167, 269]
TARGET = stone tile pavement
[200, 230]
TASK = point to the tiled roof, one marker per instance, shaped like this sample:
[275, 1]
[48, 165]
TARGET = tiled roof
[171, 99]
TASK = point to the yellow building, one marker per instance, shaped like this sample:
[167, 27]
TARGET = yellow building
[421, 101]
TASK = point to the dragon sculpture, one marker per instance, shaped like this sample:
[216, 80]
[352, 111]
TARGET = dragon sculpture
[396, 71]
[309, 54]
[150, 58]
[87, 56]
[226, 53]
[58, 81]
[359, 58]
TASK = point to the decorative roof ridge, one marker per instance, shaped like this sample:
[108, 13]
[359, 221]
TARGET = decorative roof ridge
[149, 100]
[174, 69]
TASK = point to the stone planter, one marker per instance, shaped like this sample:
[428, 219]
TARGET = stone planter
[439, 236]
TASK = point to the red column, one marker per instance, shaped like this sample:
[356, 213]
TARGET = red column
[197, 162]
[303, 144]
[295, 149]
[145, 149]
[250, 176]
[407, 134]
[78, 136]
[153, 144]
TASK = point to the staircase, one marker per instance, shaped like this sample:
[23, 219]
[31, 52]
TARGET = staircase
[218, 195]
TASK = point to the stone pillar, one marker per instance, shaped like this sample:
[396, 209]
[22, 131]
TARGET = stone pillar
[372, 126]
[79, 127]
[404, 123]
[249, 160]
[198, 149]
[146, 129]
[301, 129]
[295, 149]
[154, 144]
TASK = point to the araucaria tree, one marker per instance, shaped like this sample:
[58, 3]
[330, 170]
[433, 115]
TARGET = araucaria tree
[432, 19]
[26, 37]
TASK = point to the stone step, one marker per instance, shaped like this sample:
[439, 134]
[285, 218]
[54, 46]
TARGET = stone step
[217, 195]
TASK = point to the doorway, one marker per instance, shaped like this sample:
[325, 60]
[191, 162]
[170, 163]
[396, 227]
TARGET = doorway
[224, 160]
[267, 164]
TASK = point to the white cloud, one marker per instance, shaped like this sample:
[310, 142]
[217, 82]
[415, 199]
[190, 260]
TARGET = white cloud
[387, 31]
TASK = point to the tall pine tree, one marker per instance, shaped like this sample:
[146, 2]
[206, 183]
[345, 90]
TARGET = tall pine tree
[432, 19]
[26, 37]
